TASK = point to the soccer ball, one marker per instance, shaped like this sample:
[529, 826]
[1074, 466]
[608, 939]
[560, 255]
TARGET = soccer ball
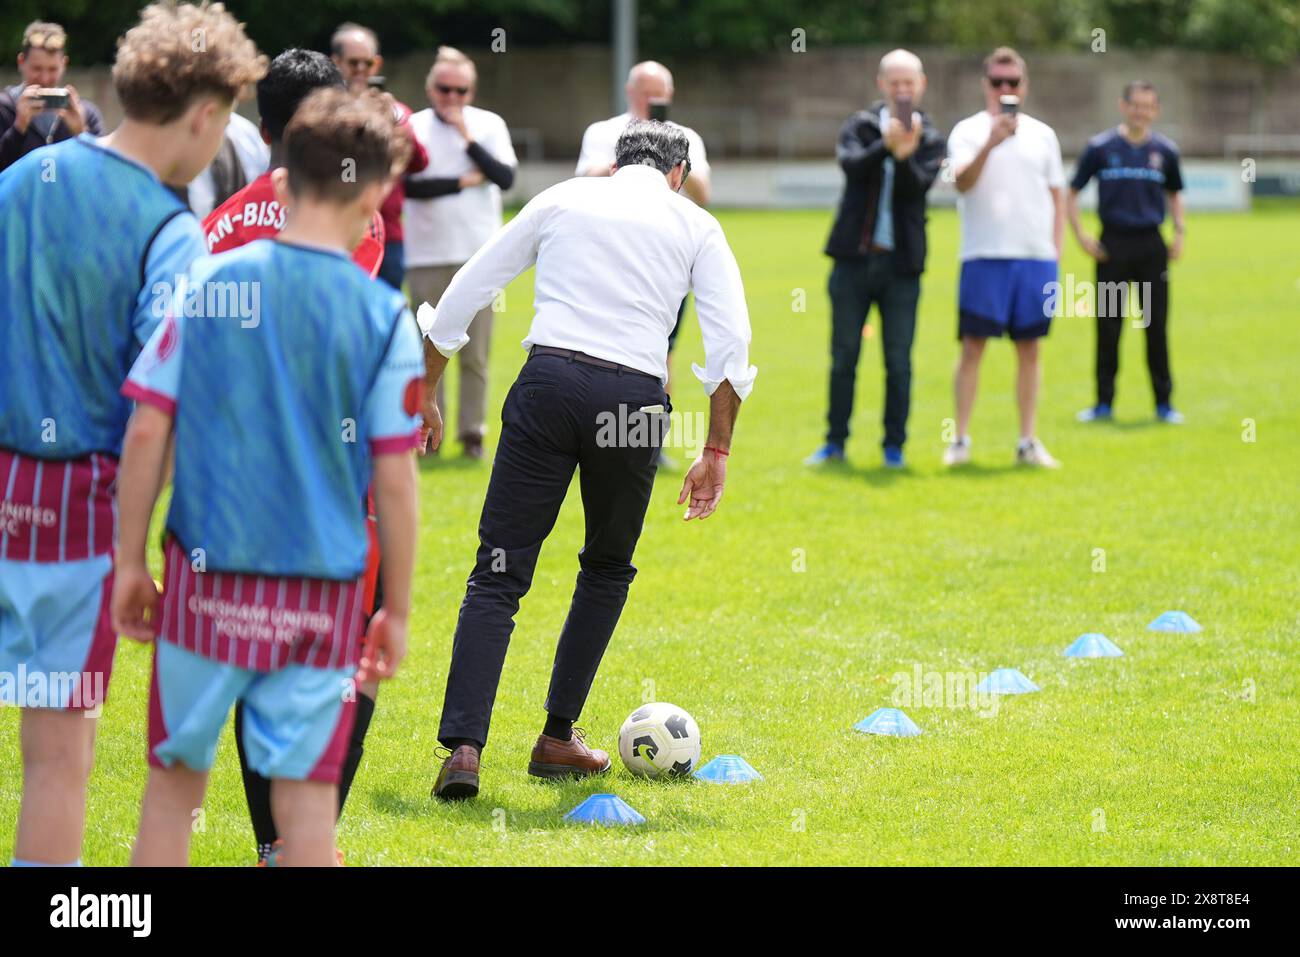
[659, 740]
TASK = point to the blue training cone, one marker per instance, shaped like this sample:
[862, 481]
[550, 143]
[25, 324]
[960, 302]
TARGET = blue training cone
[1174, 621]
[604, 809]
[1093, 645]
[1006, 681]
[728, 769]
[890, 721]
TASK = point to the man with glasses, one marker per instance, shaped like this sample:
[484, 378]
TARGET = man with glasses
[355, 51]
[1011, 199]
[452, 208]
[27, 120]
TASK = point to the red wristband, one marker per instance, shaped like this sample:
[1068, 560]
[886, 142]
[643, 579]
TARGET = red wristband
[716, 451]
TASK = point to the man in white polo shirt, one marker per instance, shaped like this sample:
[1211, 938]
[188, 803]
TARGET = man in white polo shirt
[452, 207]
[1011, 199]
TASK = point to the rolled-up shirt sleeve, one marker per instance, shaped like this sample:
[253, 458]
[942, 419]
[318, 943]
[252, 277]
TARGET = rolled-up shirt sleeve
[503, 257]
[724, 317]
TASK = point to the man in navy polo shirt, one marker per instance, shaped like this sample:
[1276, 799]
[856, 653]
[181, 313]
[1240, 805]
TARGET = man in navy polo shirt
[1136, 168]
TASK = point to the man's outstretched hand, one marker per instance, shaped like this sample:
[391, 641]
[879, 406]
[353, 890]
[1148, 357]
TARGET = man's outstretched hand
[703, 486]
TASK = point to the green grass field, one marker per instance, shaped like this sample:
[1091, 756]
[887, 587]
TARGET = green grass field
[1185, 747]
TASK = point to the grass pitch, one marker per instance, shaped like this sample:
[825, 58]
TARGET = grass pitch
[788, 616]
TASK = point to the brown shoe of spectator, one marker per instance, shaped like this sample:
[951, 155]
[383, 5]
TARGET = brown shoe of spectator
[473, 446]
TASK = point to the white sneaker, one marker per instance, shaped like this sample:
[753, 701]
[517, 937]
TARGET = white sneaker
[957, 453]
[1033, 452]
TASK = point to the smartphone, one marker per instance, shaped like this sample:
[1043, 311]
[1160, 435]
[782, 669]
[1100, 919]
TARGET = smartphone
[659, 110]
[55, 97]
[1010, 103]
[903, 110]
[376, 82]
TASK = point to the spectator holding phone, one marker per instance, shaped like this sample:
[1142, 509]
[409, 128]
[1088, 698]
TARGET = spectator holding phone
[890, 154]
[355, 51]
[39, 111]
[1011, 200]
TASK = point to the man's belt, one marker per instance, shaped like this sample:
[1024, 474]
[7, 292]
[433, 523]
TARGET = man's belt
[574, 356]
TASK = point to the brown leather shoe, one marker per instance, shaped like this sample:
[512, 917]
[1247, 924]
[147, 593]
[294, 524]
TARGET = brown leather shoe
[458, 778]
[553, 758]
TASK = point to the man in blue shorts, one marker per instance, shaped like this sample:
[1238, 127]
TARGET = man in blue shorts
[1011, 186]
[265, 545]
[90, 233]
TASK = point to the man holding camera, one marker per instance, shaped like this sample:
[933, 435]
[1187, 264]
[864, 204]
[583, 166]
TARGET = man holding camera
[890, 155]
[38, 111]
[1011, 199]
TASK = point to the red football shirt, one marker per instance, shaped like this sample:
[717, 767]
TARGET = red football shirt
[254, 213]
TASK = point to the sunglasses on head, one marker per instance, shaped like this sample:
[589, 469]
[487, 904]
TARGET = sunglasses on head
[449, 90]
[1010, 82]
[50, 42]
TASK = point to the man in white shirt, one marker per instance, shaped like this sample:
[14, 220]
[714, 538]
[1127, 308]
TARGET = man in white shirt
[452, 207]
[614, 258]
[1011, 199]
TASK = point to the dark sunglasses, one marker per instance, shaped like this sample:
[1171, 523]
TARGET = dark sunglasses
[449, 90]
[1010, 82]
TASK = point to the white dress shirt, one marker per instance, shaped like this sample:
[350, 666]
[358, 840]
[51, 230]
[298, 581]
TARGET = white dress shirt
[1009, 213]
[448, 230]
[600, 139]
[615, 257]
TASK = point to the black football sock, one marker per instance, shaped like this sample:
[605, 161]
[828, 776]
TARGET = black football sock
[557, 727]
[356, 746]
[257, 792]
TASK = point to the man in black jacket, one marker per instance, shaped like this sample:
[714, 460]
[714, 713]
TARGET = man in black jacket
[25, 122]
[890, 161]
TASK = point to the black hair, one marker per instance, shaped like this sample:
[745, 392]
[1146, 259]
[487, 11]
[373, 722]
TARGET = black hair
[293, 75]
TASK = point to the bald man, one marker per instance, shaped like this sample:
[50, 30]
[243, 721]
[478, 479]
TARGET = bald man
[890, 154]
[649, 85]
[649, 89]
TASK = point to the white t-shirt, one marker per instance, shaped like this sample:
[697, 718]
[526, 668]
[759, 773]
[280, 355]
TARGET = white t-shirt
[448, 230]
[600, 139]
[1009, 213]
[254, 156]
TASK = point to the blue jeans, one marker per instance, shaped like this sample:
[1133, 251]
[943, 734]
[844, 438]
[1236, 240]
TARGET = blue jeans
[856, 284]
